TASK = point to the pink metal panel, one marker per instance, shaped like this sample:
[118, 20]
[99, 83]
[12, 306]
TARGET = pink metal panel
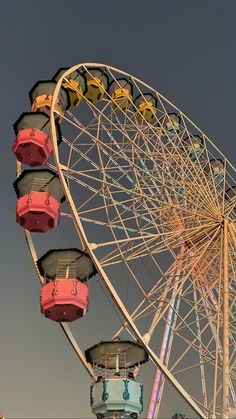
[64, 300]
[37, 212]
[32, 147]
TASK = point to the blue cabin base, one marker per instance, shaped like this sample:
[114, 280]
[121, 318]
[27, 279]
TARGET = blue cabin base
[123, 397]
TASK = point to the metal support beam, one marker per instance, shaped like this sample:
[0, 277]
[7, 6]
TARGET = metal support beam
[225, 372]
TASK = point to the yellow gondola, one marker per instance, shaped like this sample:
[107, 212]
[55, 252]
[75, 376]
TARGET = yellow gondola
[97, 84]
[121, 91]
[41, 96]
[146, 105]
[75, 85]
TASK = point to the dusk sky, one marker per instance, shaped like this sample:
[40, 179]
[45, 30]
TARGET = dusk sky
[184, 49]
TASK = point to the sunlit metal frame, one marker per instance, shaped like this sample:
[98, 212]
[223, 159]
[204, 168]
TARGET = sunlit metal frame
[221, 226]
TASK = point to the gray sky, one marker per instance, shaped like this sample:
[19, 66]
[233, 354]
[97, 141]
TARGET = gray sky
[186, 50]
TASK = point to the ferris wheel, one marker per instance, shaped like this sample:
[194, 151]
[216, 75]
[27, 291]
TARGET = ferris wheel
[153, 201]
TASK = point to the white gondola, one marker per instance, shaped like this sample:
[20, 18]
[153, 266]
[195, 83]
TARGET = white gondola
[170, 123]
[217, 167]
[116, 392]
[194, 145]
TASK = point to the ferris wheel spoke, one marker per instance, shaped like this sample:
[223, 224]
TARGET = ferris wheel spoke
[141, 249]
[166, 342]
[173, 283]
[186, 129]
[119, 302]
[167, 359]
[97, 192]
[123, 156]
[202, 369]
[232, 233]
[116, 181]
[199, 178]
[153, 202]
[212, 185]
[203, 330]
[189, 347]
[163, 285]
[183, 280]
[195, 343]
[219, 355]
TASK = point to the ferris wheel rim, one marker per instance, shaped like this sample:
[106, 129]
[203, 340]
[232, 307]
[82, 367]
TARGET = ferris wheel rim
[97, 65]
[89, 247]
[64, 326]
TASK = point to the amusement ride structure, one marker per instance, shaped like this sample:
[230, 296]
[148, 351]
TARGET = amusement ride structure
[153, 201]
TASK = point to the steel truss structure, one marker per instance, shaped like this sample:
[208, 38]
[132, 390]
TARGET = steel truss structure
[147, 204]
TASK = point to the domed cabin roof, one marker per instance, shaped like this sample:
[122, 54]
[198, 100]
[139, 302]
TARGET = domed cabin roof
[217, 166]
[47, 87]
[26, 120]
[66, 263]
[132, 354]
[96, 73]
[145, 97]
[38, 120]
[120, 83]
[146, 104]
[96, 82]
[74, 75]
[62, 70]
[41, 180]
[76, 87]
[121, 91]
[194, 141]
[171, 122]
[194, 145]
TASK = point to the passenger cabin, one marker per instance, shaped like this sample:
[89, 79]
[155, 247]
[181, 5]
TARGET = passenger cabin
[97, 84]
[65, 296]
[40, 195]
[41, 96]
[170, 123]
[121, 92]
[217, 168]
[117, 391]
[194, 145]
[33, 145]
[145, 107]
[74, 83]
